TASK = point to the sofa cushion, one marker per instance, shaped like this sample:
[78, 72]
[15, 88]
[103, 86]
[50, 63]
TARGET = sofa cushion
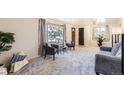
[115, 48]
[105, 53]
[119, 52]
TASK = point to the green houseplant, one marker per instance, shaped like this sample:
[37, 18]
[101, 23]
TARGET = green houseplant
[100, 40]
[6, 41]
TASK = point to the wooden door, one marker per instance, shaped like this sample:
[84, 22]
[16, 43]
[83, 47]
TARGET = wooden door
[81, 36]
[73, 35]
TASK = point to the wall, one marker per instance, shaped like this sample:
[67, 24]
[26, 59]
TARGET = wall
[54, 21]
[116, 30]
[68, 33]
[122, 25]
[26, 36]
[88, 32]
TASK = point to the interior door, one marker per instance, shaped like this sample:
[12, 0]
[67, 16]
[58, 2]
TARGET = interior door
[73, 35]
[81, 36]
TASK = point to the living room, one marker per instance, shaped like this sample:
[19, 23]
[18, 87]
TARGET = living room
[62, 46]
[86, 45]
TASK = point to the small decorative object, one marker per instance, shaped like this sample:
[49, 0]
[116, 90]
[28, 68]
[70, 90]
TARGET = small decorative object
[6, 41]
[100, 40]
[73, 29]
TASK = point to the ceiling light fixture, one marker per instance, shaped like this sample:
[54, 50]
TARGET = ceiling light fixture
[100, 20]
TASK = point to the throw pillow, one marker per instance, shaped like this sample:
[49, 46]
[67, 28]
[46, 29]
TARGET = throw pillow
[115, 48]
[17, 57]
[16, 60]
[119, 53]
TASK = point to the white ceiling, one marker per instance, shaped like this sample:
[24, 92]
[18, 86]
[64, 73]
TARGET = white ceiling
[76, 21]
[81, 21]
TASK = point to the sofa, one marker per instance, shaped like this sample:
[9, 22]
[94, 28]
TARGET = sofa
[17, 62]
[108, 60]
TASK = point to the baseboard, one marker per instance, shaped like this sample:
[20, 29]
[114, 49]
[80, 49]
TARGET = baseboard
[33, 57]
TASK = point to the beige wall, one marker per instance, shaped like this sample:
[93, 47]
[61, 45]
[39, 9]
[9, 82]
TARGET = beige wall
[54, 21]
[116, 30]
[88, 32]
[26, 36]
[69, 34]
[122, 25]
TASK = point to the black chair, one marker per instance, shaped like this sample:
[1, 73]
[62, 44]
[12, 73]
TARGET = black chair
[56, 47]
[70, 44]
[49, 51]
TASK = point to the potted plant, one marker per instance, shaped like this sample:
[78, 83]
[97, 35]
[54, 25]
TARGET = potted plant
[100, 40]
[6, 41]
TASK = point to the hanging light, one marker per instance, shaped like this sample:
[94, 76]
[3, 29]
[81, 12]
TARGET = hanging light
[100, 20]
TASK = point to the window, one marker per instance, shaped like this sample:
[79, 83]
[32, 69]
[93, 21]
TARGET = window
[55, 33]
[103, 31]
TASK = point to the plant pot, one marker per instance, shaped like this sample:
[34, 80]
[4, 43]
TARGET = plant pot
[99, 45]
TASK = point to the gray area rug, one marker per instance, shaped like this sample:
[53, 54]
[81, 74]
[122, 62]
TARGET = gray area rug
[73, 62]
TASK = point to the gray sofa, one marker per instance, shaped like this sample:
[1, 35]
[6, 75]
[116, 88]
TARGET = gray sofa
[108, 60]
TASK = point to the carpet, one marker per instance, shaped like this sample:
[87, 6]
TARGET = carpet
[80, 61]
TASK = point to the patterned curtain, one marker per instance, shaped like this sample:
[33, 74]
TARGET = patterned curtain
[41, 36]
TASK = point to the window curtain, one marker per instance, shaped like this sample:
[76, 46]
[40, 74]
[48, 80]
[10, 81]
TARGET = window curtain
[107, 33]
[64, 32]
[42, 36]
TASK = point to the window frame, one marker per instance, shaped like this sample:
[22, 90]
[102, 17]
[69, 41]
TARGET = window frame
[107, 32]
[58, 28]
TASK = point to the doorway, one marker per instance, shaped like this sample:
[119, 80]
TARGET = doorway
[81, 36]
[73, 34]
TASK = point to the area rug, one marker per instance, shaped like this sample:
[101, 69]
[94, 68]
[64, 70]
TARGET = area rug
[80, 61]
